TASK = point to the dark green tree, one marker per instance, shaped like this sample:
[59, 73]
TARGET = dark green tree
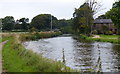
[8, 23]
[65, 25]
[102, 17]
[114, 14]
[0, 24]
[83, 19]
[24, 23]
[104, 29]
[18, 26]
[43, 21]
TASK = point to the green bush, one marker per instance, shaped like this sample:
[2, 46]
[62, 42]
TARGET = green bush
[36, 36]
[109, 32]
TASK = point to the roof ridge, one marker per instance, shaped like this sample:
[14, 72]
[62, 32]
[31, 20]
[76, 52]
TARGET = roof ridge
[102, 21]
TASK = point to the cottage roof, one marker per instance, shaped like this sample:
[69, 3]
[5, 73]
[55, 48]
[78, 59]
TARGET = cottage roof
[104, 21]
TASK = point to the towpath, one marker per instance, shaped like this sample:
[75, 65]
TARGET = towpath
[1, 44]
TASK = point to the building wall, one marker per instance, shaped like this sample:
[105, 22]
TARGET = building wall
[99, 27]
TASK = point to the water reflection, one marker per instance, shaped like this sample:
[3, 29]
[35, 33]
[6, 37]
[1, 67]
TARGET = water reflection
[99, 56]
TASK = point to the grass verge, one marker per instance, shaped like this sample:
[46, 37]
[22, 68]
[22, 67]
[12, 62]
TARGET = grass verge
[17, 59]
[106, 38]
[103, 38]
[0, 40]
[37, 35]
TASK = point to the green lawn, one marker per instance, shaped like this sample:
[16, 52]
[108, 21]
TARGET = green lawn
[109, 36]
[106, 38]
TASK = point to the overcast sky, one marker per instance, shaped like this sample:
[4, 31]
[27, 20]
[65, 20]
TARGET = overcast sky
[30, 8]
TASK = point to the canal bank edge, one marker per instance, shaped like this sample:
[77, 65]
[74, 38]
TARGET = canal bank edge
[15, 50]
[100, 38]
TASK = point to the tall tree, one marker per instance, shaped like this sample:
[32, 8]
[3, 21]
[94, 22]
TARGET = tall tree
[0, 24]
[95, 6]
[83, 18]
[65, 25]
[18, 26]
[114, 14]
[8, 23]
[24, 23]
[102, 17]
[43, 21]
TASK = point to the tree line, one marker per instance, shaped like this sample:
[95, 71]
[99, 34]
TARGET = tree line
[81, 23]
[41, 22]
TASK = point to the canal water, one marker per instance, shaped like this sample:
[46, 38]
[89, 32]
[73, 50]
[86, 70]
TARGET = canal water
[97, 56]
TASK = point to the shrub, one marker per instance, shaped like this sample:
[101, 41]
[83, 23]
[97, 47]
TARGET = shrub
[33, 30]
[109, 32]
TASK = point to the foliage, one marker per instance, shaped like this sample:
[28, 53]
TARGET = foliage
[22, 24]
[66, 30]
[33, 30]
[82, 38]
[40, 22]
[8, 23]
[43, 21]
[83, 19]
[0, 24]
[105, 29]
[65, 25]
[109, 33]
[63, 22]
[37, 35]
[94, 32]
[95, 6]
[102, 17]
[114, 14]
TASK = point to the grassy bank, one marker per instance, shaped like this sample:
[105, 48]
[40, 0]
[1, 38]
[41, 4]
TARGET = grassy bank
[37, 35]
[17, 59]
[106, 38]
[0, 39]
[82, 38]
[102, 38]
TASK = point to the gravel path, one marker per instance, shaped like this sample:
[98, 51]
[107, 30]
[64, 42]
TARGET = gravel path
[1, 44]
[96, 36]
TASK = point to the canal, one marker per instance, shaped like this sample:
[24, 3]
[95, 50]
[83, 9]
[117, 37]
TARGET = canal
[98, 56]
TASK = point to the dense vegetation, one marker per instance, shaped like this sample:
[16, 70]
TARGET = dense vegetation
[65, 26]
[41, 22]
[8, 23]
[38, 35]
[83, 19]
[114, 14]
[22, 24]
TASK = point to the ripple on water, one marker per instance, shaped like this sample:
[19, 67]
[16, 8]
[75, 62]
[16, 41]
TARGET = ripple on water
[78, 55]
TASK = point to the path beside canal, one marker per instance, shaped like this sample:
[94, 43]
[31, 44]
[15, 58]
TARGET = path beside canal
[1, 44]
